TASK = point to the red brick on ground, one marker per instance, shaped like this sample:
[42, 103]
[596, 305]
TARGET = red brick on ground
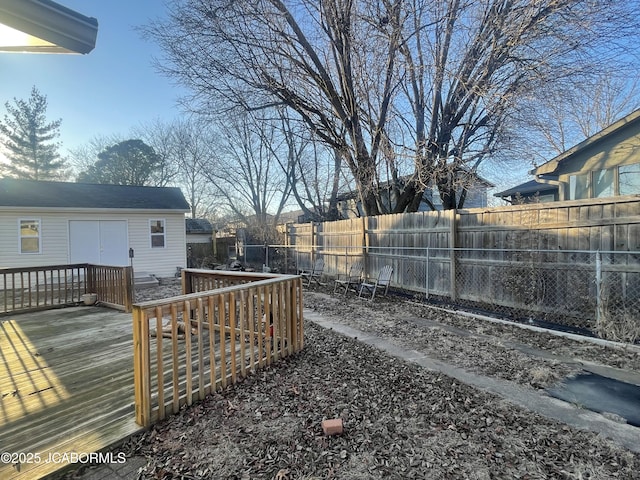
[332, 427]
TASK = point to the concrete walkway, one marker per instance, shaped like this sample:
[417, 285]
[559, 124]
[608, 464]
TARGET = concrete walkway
[570, 414]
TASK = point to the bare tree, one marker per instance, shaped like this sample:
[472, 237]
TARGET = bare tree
[410, 93]
[244, 170]
[564, 118]
[470, 65]
[161, 136]
[185, 145]
[314, 172]
[259, 54]
[194, 143]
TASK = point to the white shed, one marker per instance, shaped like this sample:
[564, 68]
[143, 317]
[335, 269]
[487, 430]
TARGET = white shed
[56, 223]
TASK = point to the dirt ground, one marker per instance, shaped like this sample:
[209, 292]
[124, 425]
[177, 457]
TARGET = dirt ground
[401, 421]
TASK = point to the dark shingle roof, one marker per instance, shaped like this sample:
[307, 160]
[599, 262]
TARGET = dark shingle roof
[198, 225]
[528, 187]
[30, 193]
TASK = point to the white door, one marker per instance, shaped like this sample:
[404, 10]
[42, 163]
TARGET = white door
[84, 242]
[102, 242]
[114, 248]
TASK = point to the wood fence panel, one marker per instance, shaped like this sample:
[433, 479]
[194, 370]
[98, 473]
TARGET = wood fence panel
[485, 241]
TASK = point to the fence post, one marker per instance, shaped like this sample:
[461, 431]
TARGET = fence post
[90, 285]
[313, 242]
[598, 287]
[452, 243]
[426, 283]
[286, 248]
[365, 246]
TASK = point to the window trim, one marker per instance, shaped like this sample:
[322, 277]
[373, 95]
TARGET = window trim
[618, 182]
[590, 175]
[613, 186]
[573, 185]
[163, 234]
[20, 236]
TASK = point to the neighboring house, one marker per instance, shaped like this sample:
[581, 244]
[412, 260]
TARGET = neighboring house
[55, 223]
[349, 205]
[199, 230]
[530, 192]
[295, 216]
[606, 164]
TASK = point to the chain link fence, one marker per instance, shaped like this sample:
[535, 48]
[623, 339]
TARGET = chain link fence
[588, 292]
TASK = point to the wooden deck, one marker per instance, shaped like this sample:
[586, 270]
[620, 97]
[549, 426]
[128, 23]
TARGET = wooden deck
[68, 376]
[66, 384]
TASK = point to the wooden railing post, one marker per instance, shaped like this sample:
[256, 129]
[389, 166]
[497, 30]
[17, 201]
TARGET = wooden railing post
[90, 275]
[186, 282]
[141, 368]
[128, 288]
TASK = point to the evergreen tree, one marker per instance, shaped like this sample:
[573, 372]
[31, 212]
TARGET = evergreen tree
[131, 162]
[28, 140]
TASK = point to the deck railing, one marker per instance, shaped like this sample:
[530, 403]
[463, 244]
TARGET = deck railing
[41, 288]
[112, 285]
[189, 346]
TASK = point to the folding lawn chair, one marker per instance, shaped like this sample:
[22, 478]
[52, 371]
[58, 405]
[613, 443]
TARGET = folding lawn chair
[383, 281]
[351, 280]
[315, 273]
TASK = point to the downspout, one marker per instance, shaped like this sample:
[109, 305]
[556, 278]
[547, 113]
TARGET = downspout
[549, 181]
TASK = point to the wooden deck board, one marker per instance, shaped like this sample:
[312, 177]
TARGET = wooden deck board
[66, 381]
[66, 384]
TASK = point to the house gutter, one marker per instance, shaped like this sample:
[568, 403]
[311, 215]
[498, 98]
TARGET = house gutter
[549, 181]
[50, 27]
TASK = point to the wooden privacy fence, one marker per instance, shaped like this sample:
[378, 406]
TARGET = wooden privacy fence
[535, 257]
[611, 224]
[188, 346]
[40, 288]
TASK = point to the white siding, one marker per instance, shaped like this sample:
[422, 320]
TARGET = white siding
[54, 248]
[53, 240]
[159, 261]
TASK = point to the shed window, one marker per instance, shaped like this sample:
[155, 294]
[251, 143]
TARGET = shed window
[29, 235]
[157, 231]
[629, 179]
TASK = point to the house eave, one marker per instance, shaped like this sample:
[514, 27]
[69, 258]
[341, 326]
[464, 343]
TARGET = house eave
[120, 211]
[552, 165]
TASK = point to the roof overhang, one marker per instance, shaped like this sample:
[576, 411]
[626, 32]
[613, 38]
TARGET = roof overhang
[43, 26]
[528, 187]
[552, 165]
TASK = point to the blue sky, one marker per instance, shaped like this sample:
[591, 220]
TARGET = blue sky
[108, 91]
